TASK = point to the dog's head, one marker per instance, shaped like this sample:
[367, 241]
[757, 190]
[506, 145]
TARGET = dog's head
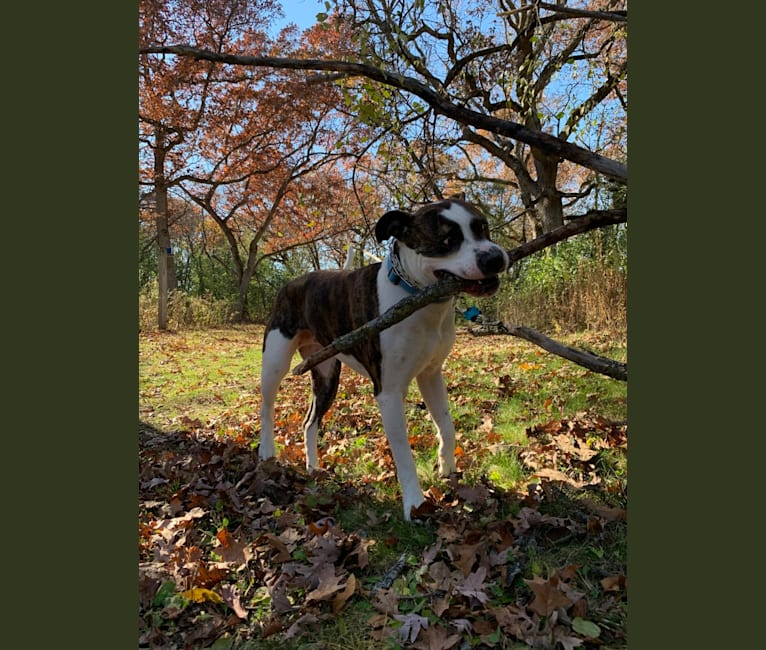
[449, 237]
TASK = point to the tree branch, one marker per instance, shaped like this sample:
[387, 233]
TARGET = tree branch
[445, 287]
[590, 220]
[548, 143]
[589, 360]
[614, 16]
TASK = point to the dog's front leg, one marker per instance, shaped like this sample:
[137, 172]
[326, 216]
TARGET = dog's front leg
[434, 392]
[392, 412]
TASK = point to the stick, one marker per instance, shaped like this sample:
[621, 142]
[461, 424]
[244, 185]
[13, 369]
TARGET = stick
[445, 287]
[591, 361]
[392, 574]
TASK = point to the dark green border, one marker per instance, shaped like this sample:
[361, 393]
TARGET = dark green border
[694, 244]
[70, 362]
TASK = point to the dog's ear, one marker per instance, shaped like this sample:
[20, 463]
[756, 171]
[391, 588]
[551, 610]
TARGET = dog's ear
[394, 223]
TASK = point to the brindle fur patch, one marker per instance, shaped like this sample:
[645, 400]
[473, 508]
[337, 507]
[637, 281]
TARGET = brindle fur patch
[326, 304]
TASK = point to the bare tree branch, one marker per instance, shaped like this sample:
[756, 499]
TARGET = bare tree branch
[584, 358]
[590, 220]
[548, 143]
[614, 16]
[445, 287]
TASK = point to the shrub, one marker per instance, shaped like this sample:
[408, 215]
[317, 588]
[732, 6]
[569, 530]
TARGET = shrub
[185, 311]
[580, 285]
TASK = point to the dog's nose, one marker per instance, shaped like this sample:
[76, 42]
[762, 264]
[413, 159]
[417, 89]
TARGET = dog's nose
[491, 261]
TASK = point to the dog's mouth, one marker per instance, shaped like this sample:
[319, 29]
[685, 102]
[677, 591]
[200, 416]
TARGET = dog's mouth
[484, 287]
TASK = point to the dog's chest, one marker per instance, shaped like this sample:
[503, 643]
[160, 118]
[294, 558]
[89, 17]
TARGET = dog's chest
[419, 342]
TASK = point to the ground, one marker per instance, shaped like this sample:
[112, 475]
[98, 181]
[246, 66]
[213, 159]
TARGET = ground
[524, 546]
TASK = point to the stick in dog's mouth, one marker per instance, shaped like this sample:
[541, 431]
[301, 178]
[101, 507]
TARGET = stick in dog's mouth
[484, 287]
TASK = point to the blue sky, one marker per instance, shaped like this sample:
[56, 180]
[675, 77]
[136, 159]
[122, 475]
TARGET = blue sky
[301, 12]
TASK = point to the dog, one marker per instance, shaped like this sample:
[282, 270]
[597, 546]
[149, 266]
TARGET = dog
[447, 237]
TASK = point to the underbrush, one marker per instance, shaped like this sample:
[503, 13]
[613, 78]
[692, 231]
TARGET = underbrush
[526, 545]
[185, 311]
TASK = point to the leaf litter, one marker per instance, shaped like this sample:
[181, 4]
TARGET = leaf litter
[236, 550]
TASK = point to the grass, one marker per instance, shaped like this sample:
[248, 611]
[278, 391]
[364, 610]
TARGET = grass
[517, 410]
[198, 375]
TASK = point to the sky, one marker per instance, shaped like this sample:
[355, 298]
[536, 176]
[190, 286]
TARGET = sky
[301, 12]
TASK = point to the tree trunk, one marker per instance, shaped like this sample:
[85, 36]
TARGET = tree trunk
[242, 302]
[243, 288]
[166, 273]
[549, 207]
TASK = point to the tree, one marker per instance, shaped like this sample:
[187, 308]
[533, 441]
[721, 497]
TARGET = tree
[173, 102]
[257, 151]
[549, 70]
[432, 88]
[532, 98]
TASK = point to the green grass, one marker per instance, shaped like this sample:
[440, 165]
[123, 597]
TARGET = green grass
[198, 375]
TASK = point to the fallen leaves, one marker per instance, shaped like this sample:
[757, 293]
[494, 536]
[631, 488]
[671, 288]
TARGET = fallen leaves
[233, 548]
[568, 450]
[411, 626]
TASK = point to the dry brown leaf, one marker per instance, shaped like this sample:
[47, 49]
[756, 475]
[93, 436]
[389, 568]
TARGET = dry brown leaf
[386, 601]
[548, 597]
[329, 583]
[339, 602]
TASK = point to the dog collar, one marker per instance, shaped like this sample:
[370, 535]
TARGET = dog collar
[395, 276]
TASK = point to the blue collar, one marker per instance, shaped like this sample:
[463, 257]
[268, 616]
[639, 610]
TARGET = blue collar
[395, 278]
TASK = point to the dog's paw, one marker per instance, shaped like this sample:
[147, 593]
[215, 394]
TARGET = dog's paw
[412, 504]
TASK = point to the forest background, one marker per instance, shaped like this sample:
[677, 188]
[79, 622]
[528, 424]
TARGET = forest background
[252, 175]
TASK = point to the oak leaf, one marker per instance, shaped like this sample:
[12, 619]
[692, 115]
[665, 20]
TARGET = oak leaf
[386, 601]
[515, 620]
[436, 637]
[464, 556]
[462, 625]
[340, 599]
[473, 585]
[231, 550]
[230, 595]
[411, 626]
[548, 597]
[329, 583]
[567, 641]
[439, 606]
[306, 619]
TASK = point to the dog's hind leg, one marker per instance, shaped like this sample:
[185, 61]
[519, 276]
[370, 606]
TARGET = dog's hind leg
[324, 387]
[278, 351]
[434, 392]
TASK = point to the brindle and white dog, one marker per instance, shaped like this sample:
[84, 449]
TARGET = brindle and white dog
[439, 239]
